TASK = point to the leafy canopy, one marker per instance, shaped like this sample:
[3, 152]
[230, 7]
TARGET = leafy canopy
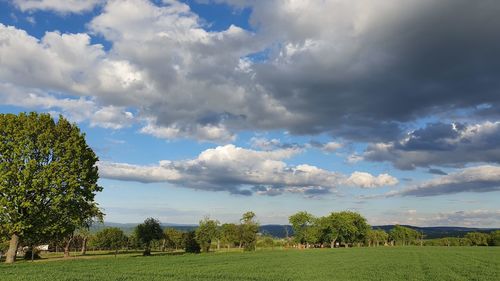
[48, 177]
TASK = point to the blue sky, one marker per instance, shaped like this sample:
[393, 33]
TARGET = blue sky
[219, 107]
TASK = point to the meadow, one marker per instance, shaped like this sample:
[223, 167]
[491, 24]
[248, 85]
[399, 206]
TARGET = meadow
[378, 263]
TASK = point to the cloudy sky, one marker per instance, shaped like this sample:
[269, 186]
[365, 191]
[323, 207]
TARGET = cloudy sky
[216, 107]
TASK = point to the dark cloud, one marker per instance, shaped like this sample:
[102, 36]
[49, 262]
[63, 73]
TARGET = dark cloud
[474, 179]
[438, 57]
[436, 172]
[361, 70]
[441, 144]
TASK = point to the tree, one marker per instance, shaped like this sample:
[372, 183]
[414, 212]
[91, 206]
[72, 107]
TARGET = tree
[404, 235]
[229, 234]
[478, 238]
[189, 242]
[111, 238]
[147, 232]
[173, 238]
[248, 231]
[348, 227]
[376, 236]
[48, 178]
[300, 222]
[494, 238]
[206, 232]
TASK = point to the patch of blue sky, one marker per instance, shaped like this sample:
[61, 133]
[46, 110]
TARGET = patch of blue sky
[37, 23]
[219, 17]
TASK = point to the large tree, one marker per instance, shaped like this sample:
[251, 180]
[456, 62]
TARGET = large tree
[348, 227]
[48, 178]
[147, 232]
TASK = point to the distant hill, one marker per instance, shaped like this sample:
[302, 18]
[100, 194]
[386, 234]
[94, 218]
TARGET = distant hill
[431, 232]
[281, 231]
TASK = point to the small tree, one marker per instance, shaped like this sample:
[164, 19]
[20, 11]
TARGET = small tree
[249, 229]
[173, 238]
[206, 232]
[189, 242]
[229, 233]
[147, 232]
[111, 238]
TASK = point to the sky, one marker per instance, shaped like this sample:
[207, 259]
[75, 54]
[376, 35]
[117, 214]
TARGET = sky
[216, 107]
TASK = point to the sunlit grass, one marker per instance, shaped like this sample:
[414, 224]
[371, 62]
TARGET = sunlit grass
[383, 263]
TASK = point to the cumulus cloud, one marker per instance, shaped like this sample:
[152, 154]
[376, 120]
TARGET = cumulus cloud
[359, 70]
[366, 180]
[484, 178]
[75, 109]
[452, 144]
[244, 171]
[61, 6]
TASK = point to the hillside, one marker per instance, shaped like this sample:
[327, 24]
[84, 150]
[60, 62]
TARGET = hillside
[281, 231]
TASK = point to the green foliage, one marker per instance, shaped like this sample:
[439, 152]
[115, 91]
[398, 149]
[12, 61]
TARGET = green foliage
[348, 227]
[147, 232]
[448, 241]
[111, 238]
[478, 238]
[48, 177]
[266, 242]
[189, 242]
[300, 222]
[494, 238]
[401, 235]
[248, 231]
[376, 237]
[206, 232]
[173, 238]
[229, 234]
[345, 227]
[363, 264]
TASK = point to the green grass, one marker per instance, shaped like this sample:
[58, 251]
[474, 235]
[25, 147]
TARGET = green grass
[383, 263]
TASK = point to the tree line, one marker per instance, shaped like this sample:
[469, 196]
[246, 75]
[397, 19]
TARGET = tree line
[347, 228]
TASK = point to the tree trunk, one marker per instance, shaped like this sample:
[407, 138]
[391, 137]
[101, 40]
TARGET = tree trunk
[84, 246]
[218, 244]
[67, 247]
[12, 252]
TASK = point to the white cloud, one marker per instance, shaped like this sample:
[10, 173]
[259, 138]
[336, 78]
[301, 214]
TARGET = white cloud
[366, 180]
[77, 110]
[61, 6]
[332, 146]
[243, 171]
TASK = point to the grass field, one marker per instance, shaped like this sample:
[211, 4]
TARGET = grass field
[383, 263]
